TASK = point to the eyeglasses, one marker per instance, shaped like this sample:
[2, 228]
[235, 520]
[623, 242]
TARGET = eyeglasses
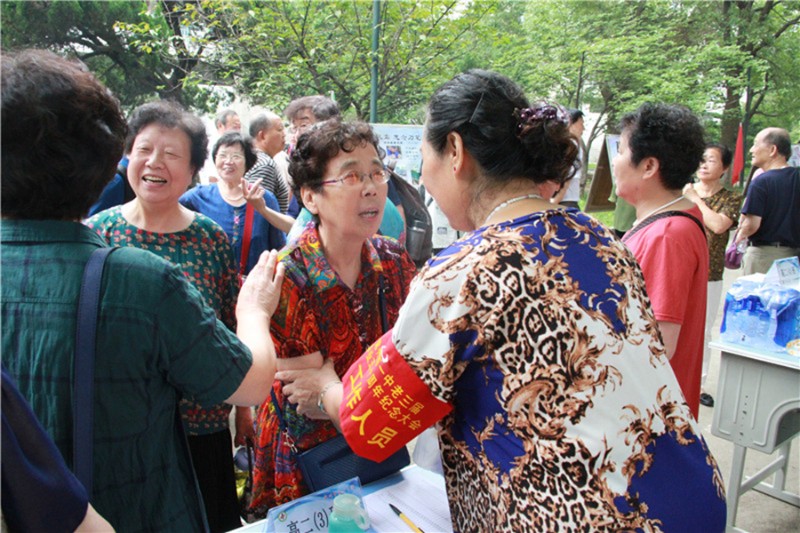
[353, 178]
[233, 158]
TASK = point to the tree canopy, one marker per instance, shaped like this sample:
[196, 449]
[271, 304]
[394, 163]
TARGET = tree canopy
[729, 61]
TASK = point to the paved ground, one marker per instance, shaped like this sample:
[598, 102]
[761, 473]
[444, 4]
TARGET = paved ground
[757, 512]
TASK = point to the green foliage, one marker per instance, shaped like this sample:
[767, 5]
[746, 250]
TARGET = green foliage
[276, 51]
[141, 50]
[609, 56]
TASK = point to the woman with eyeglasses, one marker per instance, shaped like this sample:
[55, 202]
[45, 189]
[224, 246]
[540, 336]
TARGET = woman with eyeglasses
[340, 276]
[249, 215]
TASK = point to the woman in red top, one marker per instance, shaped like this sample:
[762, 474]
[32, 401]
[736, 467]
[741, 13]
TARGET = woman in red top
[660, 148]
[330, 299]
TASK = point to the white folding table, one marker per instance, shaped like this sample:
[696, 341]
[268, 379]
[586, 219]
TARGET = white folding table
[757, 408]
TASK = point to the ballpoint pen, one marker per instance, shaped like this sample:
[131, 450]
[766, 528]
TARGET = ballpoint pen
[405, 519]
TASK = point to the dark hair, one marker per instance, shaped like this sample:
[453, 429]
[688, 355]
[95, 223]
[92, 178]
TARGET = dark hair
[231, 138]
[322, 107]
[484, 108]
[321, 143]
[62, 137]
[223, 116]
[779, 138]
[670, 133]
[170, 115]
[575, 115]
[725, 154]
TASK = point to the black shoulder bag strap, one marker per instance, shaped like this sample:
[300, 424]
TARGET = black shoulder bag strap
[83, 376]
[646, 222]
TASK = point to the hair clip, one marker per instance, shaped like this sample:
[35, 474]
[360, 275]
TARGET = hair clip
[475, 111]
[540, 113]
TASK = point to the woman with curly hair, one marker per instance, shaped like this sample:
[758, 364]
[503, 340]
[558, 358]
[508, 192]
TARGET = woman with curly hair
[342, 281]
[660, 148]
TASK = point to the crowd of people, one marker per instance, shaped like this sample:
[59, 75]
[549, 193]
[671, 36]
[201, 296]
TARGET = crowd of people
[559, 365]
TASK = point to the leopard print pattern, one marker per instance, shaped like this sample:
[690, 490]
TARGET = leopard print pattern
[561, 351]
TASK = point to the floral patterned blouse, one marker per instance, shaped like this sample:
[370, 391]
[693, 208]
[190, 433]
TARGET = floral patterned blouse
[728, 203]
[319, 312]
[203, 253]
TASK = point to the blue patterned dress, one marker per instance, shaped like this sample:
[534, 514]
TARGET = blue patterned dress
[565, 414]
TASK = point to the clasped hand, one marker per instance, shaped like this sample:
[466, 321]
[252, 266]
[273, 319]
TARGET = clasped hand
[303, 381]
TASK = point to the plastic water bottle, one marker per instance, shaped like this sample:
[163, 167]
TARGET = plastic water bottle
[734, 323]
[742, 246]
[348, 515]
[738, 324]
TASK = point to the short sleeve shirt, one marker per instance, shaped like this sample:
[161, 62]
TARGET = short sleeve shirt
[673, 254]
[725, 202]
[775, 197]
[203, 253]
[156, 341]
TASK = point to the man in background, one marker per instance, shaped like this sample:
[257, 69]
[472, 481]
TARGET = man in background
[771, 211]
[227, 120]
[266, 132]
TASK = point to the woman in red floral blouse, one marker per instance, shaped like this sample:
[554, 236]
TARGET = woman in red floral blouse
[330, 299]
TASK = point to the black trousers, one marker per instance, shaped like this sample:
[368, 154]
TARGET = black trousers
[212, 457]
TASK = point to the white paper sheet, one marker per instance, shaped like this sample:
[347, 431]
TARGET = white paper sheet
[421, 496]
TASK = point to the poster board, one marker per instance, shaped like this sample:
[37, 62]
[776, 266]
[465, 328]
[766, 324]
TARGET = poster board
[402, 145]
[794, 160]
[602, 182]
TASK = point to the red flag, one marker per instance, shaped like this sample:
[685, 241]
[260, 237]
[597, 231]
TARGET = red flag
[738, 157]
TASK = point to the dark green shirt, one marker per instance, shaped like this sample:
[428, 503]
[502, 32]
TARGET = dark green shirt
[156, 341]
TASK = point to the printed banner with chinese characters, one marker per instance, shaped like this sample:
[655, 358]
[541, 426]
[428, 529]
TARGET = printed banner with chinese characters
[385, 404]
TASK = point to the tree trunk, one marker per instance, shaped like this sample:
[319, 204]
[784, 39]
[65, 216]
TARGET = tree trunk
[731, 115]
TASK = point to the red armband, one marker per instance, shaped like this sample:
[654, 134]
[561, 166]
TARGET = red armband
[385, 404]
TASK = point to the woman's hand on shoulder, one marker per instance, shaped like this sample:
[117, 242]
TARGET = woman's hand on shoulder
[690, 193]
[262, 288]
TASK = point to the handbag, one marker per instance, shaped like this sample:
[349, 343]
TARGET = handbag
[333, 461]
[733, 257]
[243, 461]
